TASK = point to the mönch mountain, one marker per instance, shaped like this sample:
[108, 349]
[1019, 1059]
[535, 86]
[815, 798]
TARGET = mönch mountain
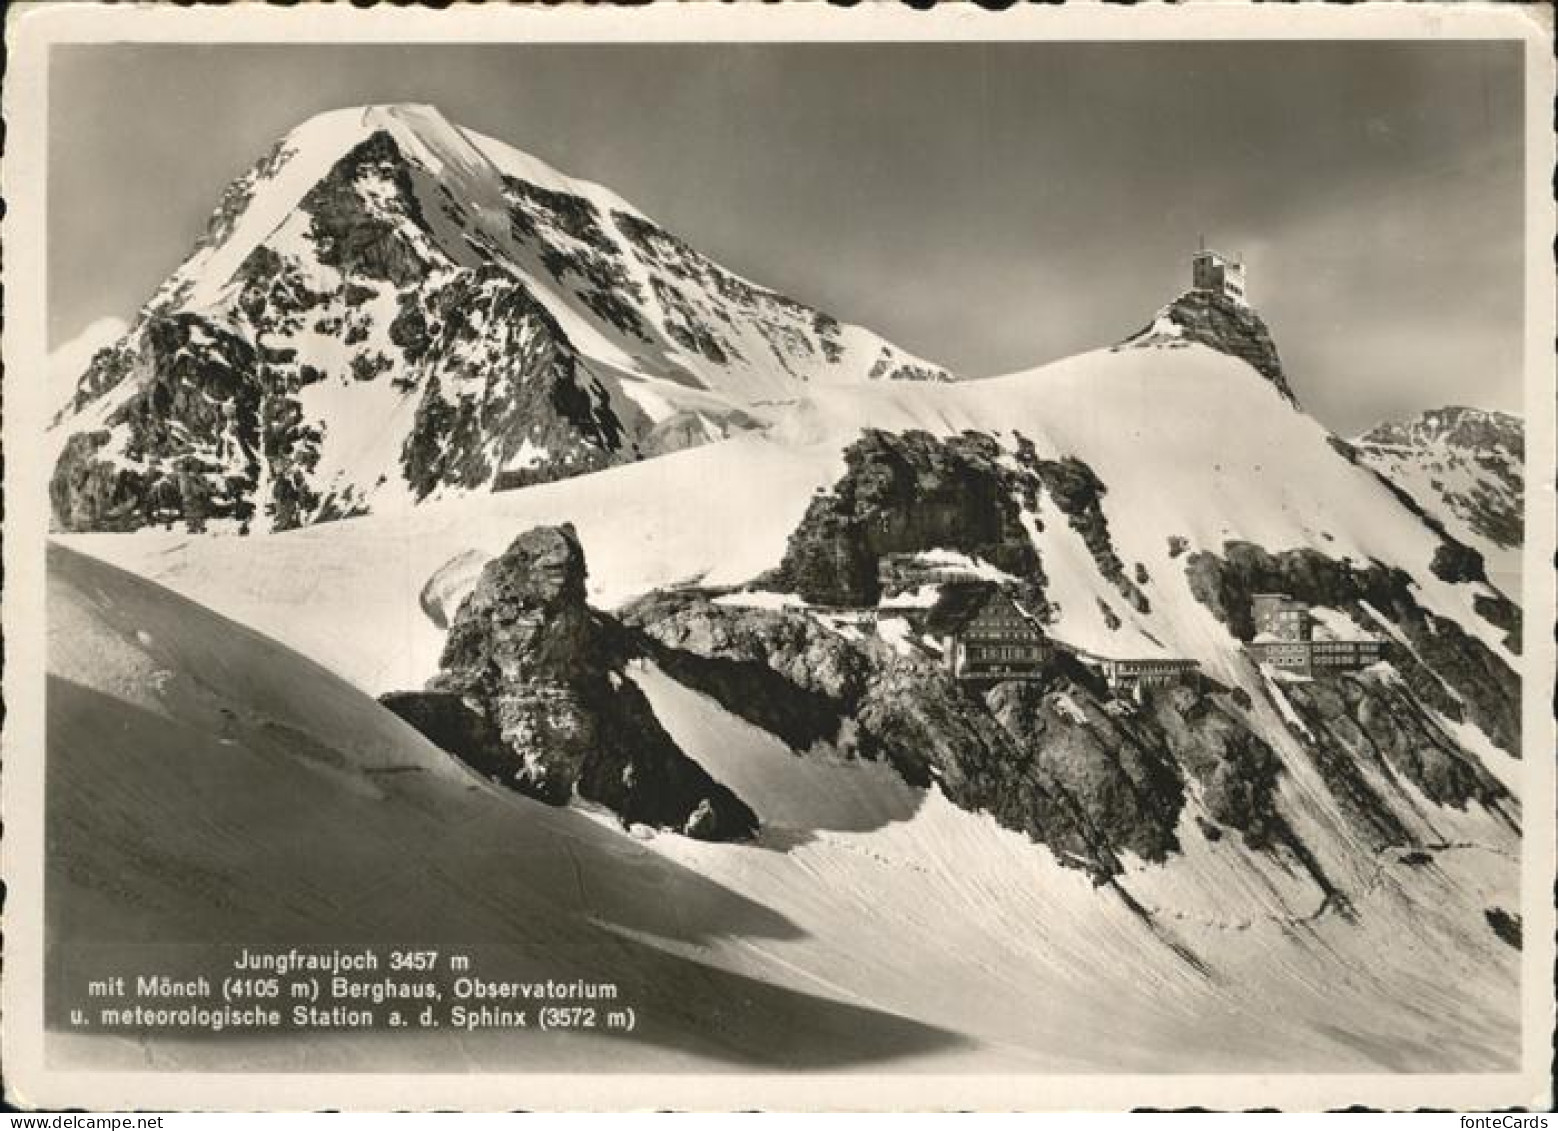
[389, 308]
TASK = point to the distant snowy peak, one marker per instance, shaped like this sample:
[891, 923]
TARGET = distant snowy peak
[387, 308]
[1222, 322]
[1466, 466]
[1454, 426]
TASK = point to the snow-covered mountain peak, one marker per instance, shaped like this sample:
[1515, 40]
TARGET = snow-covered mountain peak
[387, 307]
[1455, 426]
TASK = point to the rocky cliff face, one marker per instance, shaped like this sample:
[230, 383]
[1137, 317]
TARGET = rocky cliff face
[1445, 667]
[1227, 326]
[1370, 720]
[1099, 779]
[531, 694]
[909, 493]
[1057, 758]
[905, 493]
[388, 308]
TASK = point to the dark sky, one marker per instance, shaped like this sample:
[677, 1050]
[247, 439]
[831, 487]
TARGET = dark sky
[990, 206]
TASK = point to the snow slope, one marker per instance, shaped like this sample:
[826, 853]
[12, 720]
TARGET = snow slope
[208, 784]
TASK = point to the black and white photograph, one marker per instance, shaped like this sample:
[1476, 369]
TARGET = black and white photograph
[732, 556]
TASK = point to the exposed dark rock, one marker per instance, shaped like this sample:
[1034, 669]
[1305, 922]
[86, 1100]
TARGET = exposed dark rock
[362, 242]
[1445, 667]
[86, 493]
[485, 329]
[1054, 757]
[1505, 925]
[1236, 771]
[1119, 775]
[1215, 320]
[1455, 562]
[525, 619]
[901, 494]
[784, 672]
[1375, 723]
[795, 646]
[531, 693]
[889, 367]
[1044, 757]
[455, 723]
[1501, 613]
[188, 438]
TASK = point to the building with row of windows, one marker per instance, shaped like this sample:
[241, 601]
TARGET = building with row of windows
[1131, 675]
[1280, 616]
[1285, 638]
[1312, 657]
[1218, 273]
[985, 634]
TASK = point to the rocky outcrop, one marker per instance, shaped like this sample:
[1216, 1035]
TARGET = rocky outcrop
[905, 493]
[1234, 769]
[1213, 319]
[1055, 758]
[1372, 720]
[505, 399]
[1444, 666]
[186, 445]
[1502, 614]
[1078, 492]
[1120, 775]
[531, 693]
[1505, 925]
[1457, 563]
[910, 493]
[782, 672]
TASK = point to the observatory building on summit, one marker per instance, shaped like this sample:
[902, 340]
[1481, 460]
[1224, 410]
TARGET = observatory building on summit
[1219, 273]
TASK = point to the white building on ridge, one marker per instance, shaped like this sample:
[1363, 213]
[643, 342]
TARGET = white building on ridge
[1221, 274]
